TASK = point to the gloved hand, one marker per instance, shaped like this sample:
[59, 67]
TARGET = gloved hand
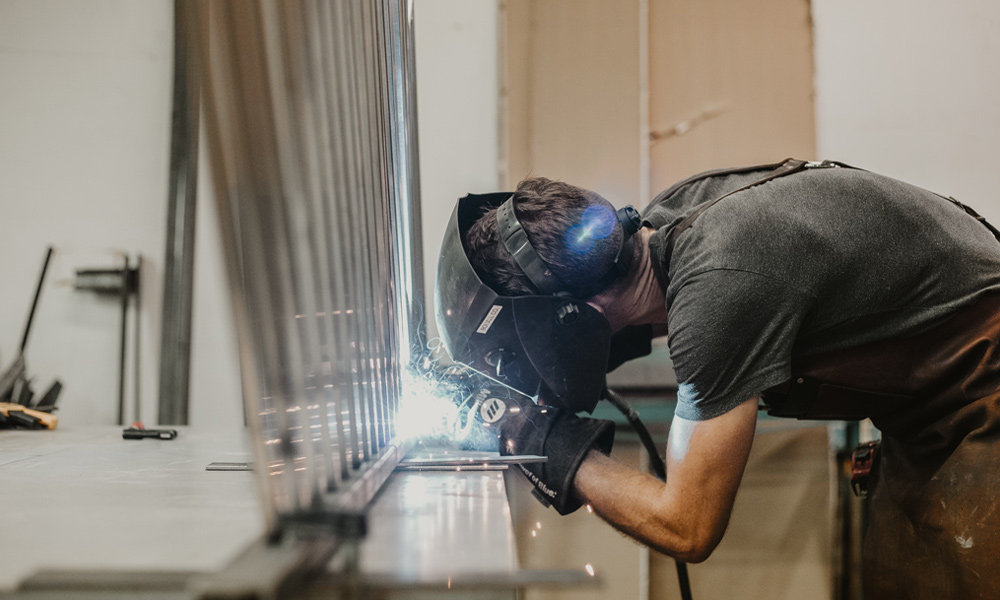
[482, 404]
[492, 416]
[561, 436]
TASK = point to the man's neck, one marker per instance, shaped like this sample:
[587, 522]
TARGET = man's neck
[640, 300]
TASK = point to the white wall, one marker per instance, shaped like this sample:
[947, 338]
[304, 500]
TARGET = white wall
[85, 100]
[84, 156]
[910, 88]
[84, 141]
[457, 79]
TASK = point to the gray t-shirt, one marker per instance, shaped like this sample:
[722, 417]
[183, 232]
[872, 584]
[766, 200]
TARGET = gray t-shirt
[807, 263]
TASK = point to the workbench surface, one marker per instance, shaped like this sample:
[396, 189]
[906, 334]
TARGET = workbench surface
[87, 499]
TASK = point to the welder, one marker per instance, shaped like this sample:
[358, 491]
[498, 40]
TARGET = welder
[810, 289]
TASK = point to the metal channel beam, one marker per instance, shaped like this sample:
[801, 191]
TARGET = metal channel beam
[178, 278]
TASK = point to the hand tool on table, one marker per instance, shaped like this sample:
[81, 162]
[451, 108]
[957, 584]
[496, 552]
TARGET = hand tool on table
[138, 431]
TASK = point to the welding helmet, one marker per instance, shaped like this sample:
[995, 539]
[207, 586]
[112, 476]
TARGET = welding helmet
[550, 344]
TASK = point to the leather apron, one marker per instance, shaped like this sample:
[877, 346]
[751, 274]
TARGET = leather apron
[934, 499]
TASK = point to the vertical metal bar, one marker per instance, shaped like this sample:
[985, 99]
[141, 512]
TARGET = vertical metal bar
[124, 295]
[314, 464]
[347, 196]
[299, 186]
[400, 240]
[376, 168]
[308, 133]
[362, 139]
[270, 281]
[318, 179]
[345, 26]
[137, 339]
[178, 279]
[389, 366]
[405, 88]
[340, 355]
[362, 60]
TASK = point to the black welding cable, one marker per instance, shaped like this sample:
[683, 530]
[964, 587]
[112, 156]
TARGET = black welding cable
[656, 464]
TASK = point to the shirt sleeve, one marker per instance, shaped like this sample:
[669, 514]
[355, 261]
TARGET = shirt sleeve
[731, 334]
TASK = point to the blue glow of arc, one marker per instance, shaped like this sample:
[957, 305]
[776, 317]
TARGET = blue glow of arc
[596, 223]
[600, 220]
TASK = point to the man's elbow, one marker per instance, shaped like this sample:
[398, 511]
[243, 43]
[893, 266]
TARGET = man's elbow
[697, 547]
[696, 552]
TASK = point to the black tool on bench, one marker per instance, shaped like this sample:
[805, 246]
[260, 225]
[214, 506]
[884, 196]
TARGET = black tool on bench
[136, 431]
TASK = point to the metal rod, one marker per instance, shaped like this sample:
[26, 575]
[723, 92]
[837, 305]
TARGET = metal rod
[333, 249]
[124, 295]
[363, 301]
[34, 301]
[178, 279]
[136, 363]
[306, 138]
[339, 93]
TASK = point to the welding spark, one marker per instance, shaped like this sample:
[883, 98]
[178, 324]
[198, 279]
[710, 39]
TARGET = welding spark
[425, 408]
[590, 569]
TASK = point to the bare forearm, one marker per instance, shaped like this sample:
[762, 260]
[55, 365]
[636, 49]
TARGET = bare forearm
[686, 516]
[640, 506]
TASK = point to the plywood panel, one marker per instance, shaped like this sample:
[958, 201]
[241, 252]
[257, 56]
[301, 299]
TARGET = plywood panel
[546, 540]
[777, 544]
[730, 84]
[572, 90]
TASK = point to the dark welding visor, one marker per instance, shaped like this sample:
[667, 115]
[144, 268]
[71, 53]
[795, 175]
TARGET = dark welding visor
[551, 346]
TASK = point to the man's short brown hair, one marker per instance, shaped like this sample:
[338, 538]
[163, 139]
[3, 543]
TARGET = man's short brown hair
[547, 210]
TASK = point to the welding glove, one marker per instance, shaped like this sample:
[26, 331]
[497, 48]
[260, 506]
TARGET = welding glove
[561, 436]
[481, 404]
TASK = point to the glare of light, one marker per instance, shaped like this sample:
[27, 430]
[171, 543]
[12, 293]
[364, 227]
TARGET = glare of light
[534, 533]
[590, 569]
[590, 508]
[538, 525]
[423, 410]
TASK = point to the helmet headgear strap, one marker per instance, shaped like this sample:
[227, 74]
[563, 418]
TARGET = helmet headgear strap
[515, 239]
